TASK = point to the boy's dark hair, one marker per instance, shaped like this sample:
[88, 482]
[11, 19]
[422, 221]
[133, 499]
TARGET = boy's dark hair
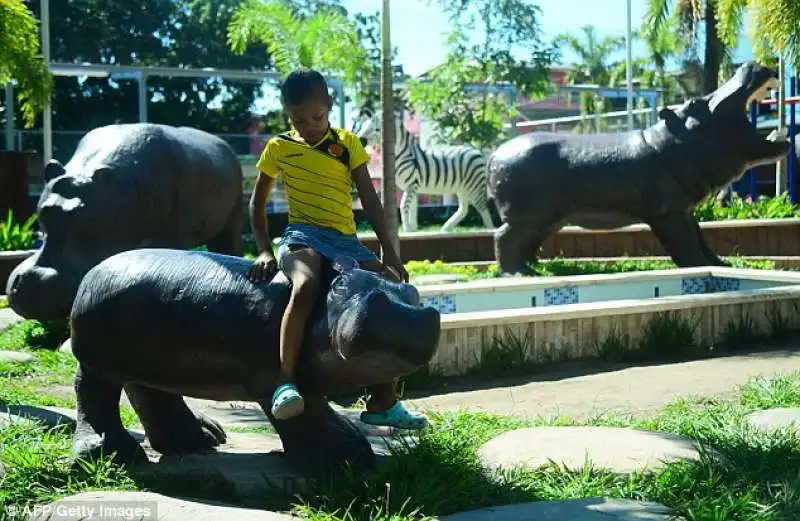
[302, 85]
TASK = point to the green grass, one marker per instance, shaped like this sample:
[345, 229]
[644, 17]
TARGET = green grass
[752, 476]
[29, 383]
[749, 475]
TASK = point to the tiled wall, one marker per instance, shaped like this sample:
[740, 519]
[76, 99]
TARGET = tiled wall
[515, 299]
[461, 349]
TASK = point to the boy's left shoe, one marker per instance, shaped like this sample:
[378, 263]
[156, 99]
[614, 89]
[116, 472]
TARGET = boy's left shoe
[396, 416]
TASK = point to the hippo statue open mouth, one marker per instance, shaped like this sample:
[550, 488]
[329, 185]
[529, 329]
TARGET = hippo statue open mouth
[166, 323]
[542, 181]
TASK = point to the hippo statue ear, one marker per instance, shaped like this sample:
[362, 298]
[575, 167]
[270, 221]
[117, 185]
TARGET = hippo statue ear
[53, 169]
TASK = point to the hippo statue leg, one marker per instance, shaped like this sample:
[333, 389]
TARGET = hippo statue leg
[516, 242]
[99, 431]
[683, 240]
[170, 425]
[320, 438]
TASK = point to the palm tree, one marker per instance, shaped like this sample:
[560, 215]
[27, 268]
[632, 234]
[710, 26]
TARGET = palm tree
[774, 29]
[682, 18]
[324, 39]
[593, 54]
[592, 67]
[20, 59]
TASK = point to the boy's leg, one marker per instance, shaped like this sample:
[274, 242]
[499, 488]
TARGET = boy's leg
[301, 267]
[383, 407]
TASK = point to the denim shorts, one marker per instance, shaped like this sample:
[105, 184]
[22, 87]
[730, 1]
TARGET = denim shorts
[345, 250]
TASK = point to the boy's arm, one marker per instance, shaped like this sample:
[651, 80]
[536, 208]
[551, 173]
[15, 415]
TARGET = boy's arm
[373, 209]
[258, 213]
[267, 173]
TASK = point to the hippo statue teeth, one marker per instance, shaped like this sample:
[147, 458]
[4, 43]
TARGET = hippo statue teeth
[542, 181]
[167, 323]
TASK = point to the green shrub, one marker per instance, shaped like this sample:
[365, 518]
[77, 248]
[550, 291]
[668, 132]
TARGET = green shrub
[45, 335]
[15, 236]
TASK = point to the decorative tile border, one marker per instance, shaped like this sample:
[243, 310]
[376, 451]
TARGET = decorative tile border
[726, 284]
[708, 284]
[442, 303]
[561, 295]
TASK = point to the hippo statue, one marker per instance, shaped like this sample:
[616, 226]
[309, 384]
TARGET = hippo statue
[168, 323]
[128, 186]
[541, 181]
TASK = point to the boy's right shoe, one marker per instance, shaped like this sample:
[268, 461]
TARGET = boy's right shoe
[287, 402]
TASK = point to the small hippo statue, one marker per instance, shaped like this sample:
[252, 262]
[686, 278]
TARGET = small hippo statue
[128, 186]
[168, 323]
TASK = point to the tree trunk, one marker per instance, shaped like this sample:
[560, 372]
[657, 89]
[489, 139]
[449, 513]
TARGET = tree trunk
[388, 188]
[713, 54]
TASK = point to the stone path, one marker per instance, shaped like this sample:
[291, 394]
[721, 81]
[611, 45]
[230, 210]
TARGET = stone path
[7, 316]
[779, 418]
[640, 390]
[617, 449]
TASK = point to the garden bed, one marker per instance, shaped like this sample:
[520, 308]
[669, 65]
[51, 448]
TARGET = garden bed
[748, 237]
[8, 261]
[433, 272]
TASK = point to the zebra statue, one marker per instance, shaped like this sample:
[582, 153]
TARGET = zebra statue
[459, 170]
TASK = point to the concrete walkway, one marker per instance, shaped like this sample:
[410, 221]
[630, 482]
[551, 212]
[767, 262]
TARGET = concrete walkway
[641, 390]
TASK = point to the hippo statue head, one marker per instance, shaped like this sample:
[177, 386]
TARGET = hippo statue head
[44, 285]
[715, 132]
[370, 330]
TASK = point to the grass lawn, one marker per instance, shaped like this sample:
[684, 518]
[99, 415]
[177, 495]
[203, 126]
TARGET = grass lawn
[756, 477]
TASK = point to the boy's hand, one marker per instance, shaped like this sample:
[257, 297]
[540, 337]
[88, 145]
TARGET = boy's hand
[397, 268]
[264, 267]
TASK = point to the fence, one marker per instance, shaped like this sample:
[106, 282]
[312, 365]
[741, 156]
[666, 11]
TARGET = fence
[249, 146]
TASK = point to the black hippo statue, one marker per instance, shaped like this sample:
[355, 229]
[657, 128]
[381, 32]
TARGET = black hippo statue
[128, 186]
[541, 181]
[168, 323]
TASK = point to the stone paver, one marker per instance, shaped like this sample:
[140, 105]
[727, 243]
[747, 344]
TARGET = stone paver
[641, 390]
[18, 357]
[50, 416]
[777, 418]
[589, 509]
[8, 317]
[617, 449]
[113, 505]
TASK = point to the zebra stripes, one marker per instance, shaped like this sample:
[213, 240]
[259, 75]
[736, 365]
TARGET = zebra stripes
[459, 170]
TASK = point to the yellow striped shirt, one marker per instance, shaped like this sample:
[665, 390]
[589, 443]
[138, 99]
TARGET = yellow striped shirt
[317, 176]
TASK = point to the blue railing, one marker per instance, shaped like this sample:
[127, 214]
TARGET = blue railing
[750, 179]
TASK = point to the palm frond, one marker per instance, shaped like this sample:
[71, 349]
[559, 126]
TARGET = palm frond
[730, 20]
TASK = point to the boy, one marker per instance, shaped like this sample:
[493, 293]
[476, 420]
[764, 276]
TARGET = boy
[319, 164]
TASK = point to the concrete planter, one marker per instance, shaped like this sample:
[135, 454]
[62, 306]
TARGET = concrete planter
[8, 261]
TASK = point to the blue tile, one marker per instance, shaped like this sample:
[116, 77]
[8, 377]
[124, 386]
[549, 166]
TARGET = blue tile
[442, 303]
[561, 295]
[699, 285]
[726, 284]
[695, 285]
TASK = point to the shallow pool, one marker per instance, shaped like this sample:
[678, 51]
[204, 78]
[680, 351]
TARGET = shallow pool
[528, 292]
